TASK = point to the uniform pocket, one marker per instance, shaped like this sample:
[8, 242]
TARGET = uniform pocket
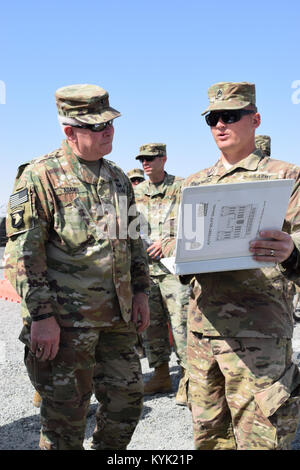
[273, 397]
[64, 368]
[54, 379]
[72, 221]
[40, 373]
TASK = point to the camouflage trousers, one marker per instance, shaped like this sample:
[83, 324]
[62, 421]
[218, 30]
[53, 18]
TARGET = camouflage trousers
[168, 303]
[244, 392]
[99, 360]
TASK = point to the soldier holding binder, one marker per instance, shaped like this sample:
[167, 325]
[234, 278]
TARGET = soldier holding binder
[244, 389]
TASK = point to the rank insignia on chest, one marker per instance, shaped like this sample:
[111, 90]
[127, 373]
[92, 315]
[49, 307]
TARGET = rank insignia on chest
[17, 218]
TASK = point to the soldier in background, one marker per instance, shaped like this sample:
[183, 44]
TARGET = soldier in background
[136, 176]
[244, 389]
[263, 142]
[84, 286]
[168, 299]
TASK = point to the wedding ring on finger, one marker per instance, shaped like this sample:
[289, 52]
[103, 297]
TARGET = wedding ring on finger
[272, 253]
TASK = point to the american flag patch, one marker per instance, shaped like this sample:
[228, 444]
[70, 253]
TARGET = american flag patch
[18, 198]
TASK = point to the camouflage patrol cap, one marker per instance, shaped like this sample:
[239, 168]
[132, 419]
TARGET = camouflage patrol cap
[230, 95]
[135, 173]
[152, 150]
[263, 142]
[86, 103]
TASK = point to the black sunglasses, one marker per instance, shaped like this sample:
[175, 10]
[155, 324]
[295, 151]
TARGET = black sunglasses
[137, 180]
[92, 127]
[228, 117]
[147, 158]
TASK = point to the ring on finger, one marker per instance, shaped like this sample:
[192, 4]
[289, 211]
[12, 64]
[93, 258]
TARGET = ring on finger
[272, 253]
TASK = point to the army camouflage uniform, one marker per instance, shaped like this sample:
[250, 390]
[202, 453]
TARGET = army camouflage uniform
[243, 387]
[65, 260]
[168, 300]
[263, 143]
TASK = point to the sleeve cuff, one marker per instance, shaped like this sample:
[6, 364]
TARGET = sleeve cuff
[41, 317]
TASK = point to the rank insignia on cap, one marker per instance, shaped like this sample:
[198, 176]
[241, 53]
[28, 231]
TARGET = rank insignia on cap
[219, 94]
[17, 218]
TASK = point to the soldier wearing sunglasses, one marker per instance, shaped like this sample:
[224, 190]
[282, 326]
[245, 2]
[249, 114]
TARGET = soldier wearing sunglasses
[84, 291]
[243, 386]
[168, 299]
[136, 176]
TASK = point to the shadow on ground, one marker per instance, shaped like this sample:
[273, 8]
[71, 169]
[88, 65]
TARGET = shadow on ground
[23, 434]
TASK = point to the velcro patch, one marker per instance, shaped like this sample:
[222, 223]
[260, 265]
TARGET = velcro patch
[18, 198]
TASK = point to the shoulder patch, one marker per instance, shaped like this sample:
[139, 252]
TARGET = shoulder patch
[18, 198]
[19, 217]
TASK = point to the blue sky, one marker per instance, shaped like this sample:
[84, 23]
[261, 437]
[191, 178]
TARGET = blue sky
[157, 60]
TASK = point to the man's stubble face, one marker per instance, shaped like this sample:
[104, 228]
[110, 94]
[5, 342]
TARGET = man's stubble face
[154, 168]
[94, 145]
[235, 136]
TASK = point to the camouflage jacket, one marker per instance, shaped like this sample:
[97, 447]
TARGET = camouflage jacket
[155, 202]
[255, 302]
[68, 252]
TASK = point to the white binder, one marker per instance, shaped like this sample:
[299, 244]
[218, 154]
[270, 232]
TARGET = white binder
[217, 222]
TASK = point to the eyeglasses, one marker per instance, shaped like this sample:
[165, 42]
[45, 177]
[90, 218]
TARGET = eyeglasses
[137, 180]
[228, 117]
[147, 158]
[92, 127]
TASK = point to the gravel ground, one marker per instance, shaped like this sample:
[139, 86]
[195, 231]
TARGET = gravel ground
[163, 425]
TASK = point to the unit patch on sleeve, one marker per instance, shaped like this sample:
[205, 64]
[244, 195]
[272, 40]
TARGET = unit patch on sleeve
[17, 218]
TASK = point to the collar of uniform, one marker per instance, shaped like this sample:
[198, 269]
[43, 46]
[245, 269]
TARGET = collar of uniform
[249, 163]
[155, 189]
[105, 171]
[82, 171]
